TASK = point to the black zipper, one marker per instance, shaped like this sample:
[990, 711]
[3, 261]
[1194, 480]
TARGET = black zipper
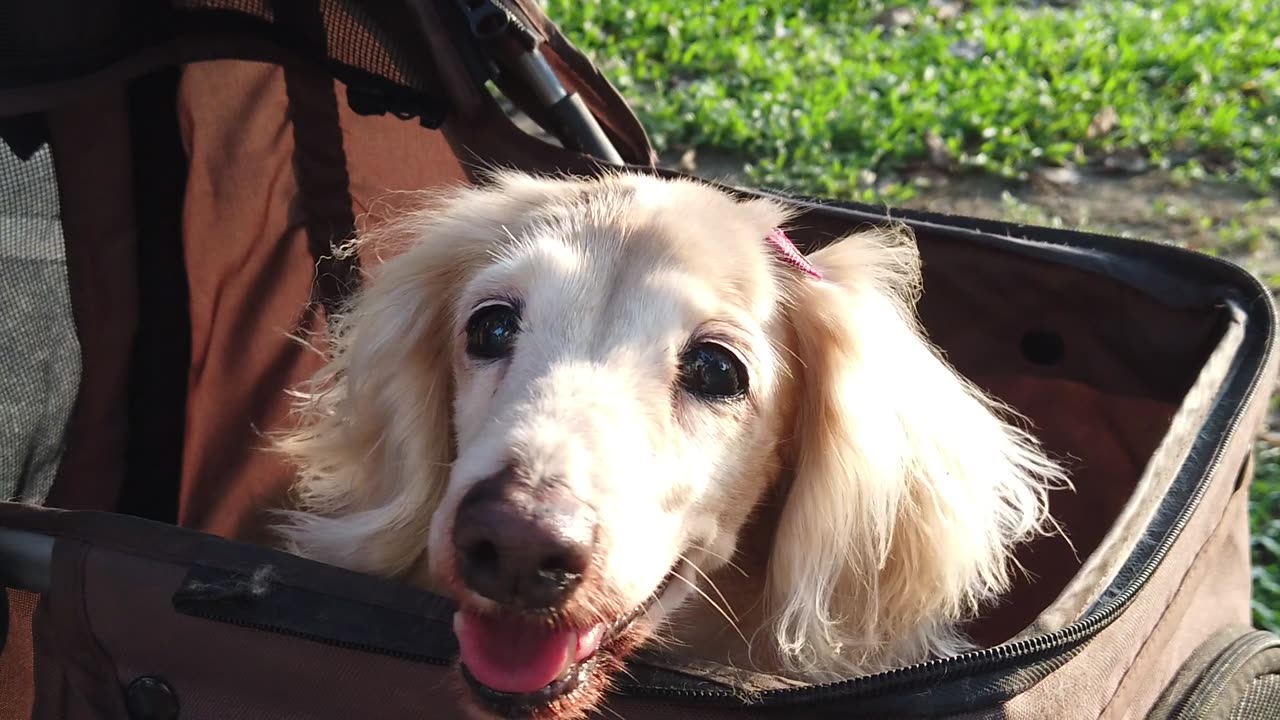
[1053, 643]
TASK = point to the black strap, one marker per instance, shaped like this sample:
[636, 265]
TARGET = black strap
[320, 164]
[158, 371]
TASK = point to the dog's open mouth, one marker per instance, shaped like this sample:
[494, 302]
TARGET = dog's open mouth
[519, 664]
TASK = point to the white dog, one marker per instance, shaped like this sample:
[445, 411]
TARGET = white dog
[598, 412]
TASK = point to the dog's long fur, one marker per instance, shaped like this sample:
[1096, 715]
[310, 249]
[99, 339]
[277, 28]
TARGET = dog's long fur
[902, 490]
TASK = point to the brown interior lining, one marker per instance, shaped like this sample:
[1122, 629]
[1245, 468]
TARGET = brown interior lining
[1149, 495]
[251, 269]
[1102, 404]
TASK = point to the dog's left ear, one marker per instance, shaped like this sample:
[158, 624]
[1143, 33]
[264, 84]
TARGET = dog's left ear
[373, 443]
[909, 491]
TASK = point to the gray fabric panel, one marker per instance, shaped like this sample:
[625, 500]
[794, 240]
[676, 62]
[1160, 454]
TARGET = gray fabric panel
[39, 352]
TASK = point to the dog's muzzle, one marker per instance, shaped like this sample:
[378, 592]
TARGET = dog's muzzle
[520, 665]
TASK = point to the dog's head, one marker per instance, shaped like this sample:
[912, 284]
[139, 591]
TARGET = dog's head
[561, 401]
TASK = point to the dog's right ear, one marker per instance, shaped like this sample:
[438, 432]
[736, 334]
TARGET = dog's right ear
[911, 485]
[373, 439]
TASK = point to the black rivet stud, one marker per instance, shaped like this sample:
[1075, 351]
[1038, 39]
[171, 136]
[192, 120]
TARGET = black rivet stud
[150, 698]
[1043, 347]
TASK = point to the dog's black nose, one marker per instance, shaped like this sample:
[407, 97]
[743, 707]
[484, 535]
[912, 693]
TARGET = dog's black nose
[522, 545]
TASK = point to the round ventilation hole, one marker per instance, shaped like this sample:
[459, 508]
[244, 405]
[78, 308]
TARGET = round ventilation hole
[1043, 347]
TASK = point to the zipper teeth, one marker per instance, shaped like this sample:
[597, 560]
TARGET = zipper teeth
[514, 17]
[1194, 706]
[1077, 632]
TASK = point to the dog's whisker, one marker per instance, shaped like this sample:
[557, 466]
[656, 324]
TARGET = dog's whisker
[665, 633]
[716, 606]
[667, 638]
[728, 563]
[613, 712]
[727, 605]
[669, 641]
[787, 350]
[626, 670]
[510, 235]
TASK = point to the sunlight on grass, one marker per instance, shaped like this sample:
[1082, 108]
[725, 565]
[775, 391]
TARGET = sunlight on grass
[814, 92]
[1264, 516]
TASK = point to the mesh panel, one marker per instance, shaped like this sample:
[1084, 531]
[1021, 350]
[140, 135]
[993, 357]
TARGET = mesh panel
[1262, 700]
[39, 352]
[260, 10]
[378, 44]
[17, 660]
[379, 38]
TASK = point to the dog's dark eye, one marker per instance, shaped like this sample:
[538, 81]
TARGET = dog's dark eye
[491, 331]
[712, 371]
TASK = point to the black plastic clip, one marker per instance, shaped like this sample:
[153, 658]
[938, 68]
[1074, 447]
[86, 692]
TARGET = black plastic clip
[430, 112]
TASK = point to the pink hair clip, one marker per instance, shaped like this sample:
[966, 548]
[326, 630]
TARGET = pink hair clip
[787, 251]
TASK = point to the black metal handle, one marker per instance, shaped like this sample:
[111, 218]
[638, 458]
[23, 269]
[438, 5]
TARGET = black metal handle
[573, 122]
[579, 129]
[570, 119]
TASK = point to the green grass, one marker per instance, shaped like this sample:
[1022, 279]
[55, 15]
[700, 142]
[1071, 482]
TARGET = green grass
[817, 92]
[822, 97]
[1264, 524]
[1264, 517]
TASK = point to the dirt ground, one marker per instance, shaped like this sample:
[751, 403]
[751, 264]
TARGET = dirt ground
[1228, 221]
[1225, 220]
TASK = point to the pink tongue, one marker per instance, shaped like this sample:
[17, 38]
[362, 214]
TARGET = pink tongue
[516, 657]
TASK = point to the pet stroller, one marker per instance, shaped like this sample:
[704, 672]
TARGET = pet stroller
[174, 175]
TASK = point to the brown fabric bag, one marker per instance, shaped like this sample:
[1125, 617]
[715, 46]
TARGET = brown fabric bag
[208, 156]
